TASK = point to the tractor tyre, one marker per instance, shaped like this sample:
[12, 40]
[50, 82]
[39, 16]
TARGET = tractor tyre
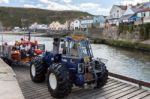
[37, 70]
[58, 80]
[102, 77]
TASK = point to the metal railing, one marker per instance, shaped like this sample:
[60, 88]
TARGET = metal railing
[121, 77]
[132, 80]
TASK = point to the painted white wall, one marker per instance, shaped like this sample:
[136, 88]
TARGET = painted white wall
[116, 12]
[139, 15]
[147, 14]
[72, 26]
[143, 14]
[129, 11]
[76, 24]
[146, 20]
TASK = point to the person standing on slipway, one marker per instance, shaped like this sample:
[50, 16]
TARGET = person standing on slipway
[5, 50]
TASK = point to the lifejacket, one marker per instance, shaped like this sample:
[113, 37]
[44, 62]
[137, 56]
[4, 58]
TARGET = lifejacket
[38, 51]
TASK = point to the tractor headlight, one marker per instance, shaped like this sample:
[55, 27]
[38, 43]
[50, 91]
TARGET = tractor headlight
[90, 69]
[91, 66]
[81, 68]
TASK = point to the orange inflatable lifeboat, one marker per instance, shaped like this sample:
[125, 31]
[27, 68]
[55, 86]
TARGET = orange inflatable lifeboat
[15, 55]
[38, 51]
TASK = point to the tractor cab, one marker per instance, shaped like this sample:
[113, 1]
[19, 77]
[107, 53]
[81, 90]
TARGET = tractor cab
[76, 46]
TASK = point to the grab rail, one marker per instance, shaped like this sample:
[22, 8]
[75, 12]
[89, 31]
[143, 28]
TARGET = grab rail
[132, 80]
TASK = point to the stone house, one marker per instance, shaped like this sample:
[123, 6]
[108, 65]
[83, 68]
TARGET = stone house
[58, 26]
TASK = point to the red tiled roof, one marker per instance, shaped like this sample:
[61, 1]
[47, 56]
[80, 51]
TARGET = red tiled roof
[144, 10]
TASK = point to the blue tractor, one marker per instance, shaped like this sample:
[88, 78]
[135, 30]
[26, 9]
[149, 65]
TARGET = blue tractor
[74, 65]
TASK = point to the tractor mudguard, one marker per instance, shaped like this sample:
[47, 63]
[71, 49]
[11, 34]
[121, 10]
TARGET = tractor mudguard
[48, 58]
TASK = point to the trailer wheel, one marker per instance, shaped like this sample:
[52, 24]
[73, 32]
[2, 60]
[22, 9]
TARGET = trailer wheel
[37, 70]
[103, 76]
[58, 81]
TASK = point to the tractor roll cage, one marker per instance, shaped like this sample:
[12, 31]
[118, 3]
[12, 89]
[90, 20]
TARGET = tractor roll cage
[83, 47]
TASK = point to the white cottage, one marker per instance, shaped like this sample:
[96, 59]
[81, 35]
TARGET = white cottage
[116, 12]
[74, 25]
[71, 25]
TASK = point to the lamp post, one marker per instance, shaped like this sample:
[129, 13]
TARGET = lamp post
[24, 24]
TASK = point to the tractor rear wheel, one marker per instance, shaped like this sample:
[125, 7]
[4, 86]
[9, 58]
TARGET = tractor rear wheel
[37, 70]
[103, 76]
[58, 80]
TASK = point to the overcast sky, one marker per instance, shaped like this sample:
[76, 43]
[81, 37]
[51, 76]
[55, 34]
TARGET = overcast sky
[95, 7]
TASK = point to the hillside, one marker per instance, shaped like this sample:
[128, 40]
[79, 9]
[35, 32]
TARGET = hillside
[11, 17]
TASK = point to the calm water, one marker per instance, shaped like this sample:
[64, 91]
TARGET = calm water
[133, 64]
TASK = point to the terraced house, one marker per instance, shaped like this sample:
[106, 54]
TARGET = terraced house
[99, 21]
[144, 13]
[116, 13]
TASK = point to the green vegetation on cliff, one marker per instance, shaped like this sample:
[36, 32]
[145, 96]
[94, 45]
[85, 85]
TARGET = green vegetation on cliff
[11, 17]
[124, 44]
[143, 30]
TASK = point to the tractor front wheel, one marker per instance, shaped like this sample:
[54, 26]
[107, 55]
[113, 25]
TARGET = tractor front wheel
[58, 81]
[37, 70]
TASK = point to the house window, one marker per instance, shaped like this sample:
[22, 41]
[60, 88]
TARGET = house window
[117, 11]
[117, 15]
[76, 28]
[144, 14]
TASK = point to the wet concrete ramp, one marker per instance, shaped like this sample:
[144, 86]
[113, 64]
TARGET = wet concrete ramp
[114, 89]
